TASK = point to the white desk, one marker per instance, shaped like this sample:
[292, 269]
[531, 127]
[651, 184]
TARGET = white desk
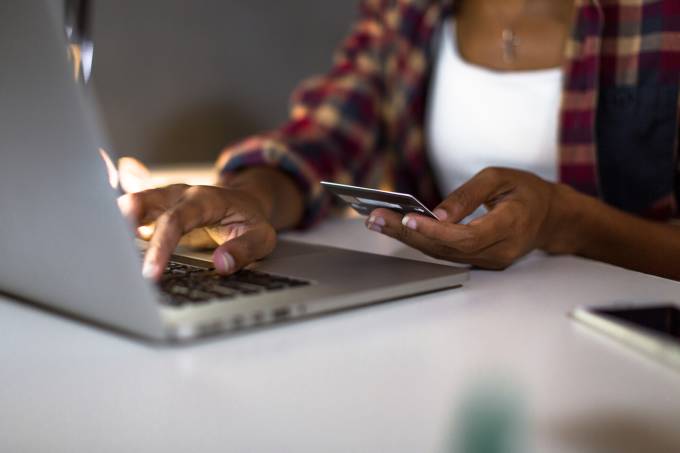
[388, 378]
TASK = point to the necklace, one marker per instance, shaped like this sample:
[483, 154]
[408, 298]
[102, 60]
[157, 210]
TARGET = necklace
[509, 41]
[510, 45]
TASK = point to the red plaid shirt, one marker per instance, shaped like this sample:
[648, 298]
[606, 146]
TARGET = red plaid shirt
[362, 123]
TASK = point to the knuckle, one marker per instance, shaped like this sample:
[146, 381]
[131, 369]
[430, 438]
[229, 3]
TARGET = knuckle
[180, 187]
[491, 173]
[172, 193]
[410, 237]
[200, 192]
[458, 198]
[401, 233]
[192, 191]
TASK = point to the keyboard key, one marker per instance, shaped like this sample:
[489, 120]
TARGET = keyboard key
[179, 290]
[199, 296]
[223, 291]
[183, 284]
[242, 287]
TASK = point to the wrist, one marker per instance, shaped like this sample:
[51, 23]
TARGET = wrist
[279, 197]
[253, 181]
[567, 221]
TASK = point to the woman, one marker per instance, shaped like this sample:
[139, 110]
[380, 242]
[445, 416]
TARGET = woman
[559, 117]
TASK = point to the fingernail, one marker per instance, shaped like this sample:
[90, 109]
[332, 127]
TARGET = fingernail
[408, 222]
[146, 231]
[441, 214]
[124, 204]
[225, 263]
[149, 270]
[375, 228]
[374, 220]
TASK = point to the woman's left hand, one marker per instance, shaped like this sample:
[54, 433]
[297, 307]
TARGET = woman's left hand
[524, 213]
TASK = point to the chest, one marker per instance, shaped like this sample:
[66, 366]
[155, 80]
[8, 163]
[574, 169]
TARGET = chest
[618, 120]
[513, 36]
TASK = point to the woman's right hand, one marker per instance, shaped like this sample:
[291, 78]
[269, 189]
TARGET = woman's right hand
[235, 220]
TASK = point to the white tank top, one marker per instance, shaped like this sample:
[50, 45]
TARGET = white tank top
[479, 118]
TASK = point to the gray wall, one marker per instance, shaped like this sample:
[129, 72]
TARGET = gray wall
[179, 79]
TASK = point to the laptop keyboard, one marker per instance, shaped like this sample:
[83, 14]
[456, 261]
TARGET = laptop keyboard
[183, 284]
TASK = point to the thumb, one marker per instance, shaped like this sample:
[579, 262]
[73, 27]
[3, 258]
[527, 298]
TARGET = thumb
[253, 244]
[481, 188]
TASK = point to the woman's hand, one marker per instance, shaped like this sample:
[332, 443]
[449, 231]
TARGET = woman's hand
[240, 216]
[231, 217]
[524, 213]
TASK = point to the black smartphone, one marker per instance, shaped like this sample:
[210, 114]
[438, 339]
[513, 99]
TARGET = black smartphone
[365, 200]
[661, 319]
[652, 329]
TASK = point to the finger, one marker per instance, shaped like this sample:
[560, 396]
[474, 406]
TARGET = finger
[481, 233]
[198, 238]
[254, 243]
[145, 232]
[169, 231]
[392, 227]
[142, 208]
[199, 207]
[492, 257]
[481, 188]
[134, 175]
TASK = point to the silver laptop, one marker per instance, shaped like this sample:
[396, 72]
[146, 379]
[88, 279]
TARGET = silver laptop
[64, 244]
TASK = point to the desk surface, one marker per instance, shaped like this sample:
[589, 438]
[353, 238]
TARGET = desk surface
[397, 377]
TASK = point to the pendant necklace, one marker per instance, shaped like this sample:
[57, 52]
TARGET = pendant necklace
[509, 41]
[510, 45]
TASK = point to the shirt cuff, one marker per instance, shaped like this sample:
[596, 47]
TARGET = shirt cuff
[265, 152]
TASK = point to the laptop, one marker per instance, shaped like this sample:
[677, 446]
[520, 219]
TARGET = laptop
[65, 246]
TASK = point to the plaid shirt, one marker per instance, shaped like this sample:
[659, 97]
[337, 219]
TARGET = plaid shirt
[363, 122]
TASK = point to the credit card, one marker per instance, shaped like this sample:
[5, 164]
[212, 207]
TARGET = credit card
[365, 200]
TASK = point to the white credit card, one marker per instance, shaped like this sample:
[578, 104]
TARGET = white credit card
[365, 200]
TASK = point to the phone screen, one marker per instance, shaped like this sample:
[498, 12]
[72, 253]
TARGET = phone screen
[663, 319]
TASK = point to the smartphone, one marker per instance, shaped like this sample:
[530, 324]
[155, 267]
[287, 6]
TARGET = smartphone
[651, 329]
[365, 200]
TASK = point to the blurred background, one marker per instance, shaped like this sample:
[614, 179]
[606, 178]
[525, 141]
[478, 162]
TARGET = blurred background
[177, 80]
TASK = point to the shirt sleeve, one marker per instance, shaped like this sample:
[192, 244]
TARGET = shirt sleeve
[334, 123]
